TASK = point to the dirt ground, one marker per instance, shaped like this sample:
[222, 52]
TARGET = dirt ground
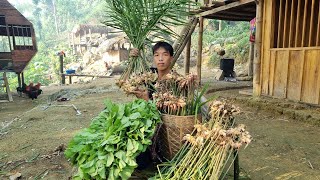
[32, 133]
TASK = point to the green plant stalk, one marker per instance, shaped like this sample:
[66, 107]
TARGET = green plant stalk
[218, 163]
[177, 159]
[187, 156]
[181, 164]
[212, 162]
[205, 154]
[230, 151]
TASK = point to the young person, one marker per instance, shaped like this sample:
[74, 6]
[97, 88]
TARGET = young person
[162, 59]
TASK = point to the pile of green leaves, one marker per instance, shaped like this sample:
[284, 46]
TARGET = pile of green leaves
[109, 147]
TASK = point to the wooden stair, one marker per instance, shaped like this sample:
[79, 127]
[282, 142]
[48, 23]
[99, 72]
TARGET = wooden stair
[186, 33]
[7, 88]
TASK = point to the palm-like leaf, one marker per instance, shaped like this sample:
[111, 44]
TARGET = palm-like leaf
[142, 21]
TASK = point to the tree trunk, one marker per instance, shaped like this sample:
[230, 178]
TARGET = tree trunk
[55, 16]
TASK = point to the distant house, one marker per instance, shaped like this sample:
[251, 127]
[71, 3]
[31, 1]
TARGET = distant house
[115, 50]
[84, 36]
[17, 39]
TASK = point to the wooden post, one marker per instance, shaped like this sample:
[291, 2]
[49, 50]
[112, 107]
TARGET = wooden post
[19, 83]
[6, 83]
[80, 50]
[22, 78]
[187, 60]
[69, 40]
[199, 60]
[19, 80]
[257, 49]
[63, 79]
[236, 167]
[251, 57]
[73, 45]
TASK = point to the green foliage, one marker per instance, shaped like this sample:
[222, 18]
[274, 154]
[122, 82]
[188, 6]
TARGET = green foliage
[108, 148]
[44, 67]
[234, 38]
[142, 21]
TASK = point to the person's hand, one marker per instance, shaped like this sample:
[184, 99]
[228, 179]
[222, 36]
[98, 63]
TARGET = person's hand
[134, 52]
[142, 94]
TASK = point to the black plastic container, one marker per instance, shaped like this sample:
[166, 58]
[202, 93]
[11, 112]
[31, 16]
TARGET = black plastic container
[227, 65]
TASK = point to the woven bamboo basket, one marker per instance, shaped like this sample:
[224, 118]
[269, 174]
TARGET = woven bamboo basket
[172, 131]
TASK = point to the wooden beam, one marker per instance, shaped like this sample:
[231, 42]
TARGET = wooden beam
[298, 25]
[292, 21]
[86, 75]
[187, 60]
[212, 4]
[228, 18]
[19, 80]
[318, 29]
[199, 60]
[251, 57]
[311, 35]
[22, 78]
[257, 54]
[280, 23]
[182, 41]
[285, 24]
[239, 14]
[226, 7]
[304, 23]
[6, 83]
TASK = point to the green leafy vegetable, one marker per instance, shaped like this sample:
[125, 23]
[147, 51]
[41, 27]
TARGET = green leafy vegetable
[109, 147]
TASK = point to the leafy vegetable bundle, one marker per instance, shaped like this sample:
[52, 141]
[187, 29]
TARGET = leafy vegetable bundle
[109, 147]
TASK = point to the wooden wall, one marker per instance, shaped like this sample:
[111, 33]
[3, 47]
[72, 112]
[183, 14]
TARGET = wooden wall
[290, 62]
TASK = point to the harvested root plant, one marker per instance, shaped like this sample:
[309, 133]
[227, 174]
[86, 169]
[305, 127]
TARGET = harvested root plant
[208, 149]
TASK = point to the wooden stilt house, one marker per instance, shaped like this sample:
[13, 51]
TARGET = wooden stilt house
[290, 51]
[287, 46]
[17, 40]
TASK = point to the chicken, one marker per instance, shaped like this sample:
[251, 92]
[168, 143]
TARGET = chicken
[32, 91]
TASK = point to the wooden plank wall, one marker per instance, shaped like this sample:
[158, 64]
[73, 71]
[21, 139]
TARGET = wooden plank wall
[290, 65]
[297, 23]
[294, 74]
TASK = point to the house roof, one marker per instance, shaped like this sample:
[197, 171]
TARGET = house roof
[240, 10]
[20, 55]
[4, 4]
[13, 16]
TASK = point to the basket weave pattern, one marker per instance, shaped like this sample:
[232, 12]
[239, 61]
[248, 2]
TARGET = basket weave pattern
[172, 131]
